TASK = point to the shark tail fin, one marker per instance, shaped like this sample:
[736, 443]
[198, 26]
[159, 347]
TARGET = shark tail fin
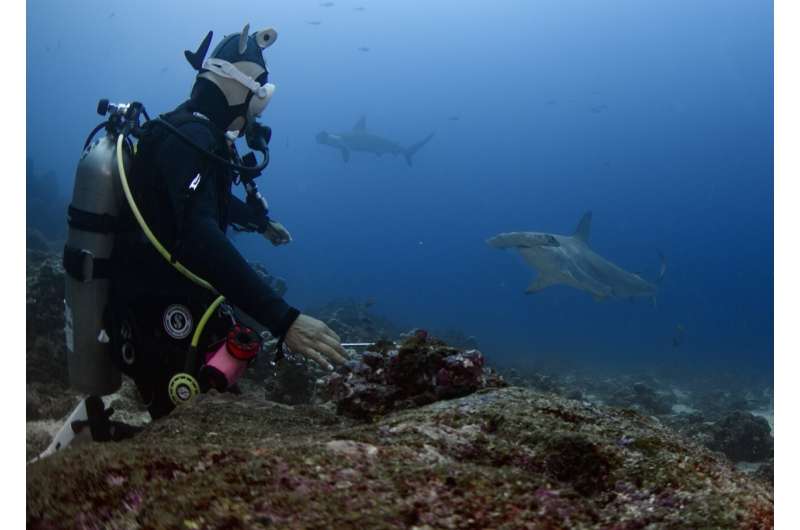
[412, 149]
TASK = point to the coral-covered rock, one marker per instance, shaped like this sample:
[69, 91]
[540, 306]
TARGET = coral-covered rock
[743, 437]
[418, 372]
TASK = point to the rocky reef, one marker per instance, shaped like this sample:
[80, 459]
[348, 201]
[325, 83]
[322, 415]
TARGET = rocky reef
[499, 458]
[416, 434]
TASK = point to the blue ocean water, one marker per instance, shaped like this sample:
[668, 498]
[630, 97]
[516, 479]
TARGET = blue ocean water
[656, 116]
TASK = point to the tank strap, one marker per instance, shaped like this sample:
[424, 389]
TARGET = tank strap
[81, 265]
[100, 223]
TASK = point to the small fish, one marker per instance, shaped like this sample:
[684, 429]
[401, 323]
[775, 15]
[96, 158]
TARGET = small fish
[369, 302]
[363, 49]
[551, 102]
[111, 15]
[314, 22]
[359, 8]
[327, 4]
[597, 109]
[454, 118]
[164, 70]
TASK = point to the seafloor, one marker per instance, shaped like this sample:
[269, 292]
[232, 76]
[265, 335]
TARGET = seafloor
[420, 436]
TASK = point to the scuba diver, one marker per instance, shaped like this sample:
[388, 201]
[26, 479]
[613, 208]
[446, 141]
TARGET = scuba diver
[155, 289]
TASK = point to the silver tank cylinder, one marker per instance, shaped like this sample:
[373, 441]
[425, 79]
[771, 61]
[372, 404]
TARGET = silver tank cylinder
[97, 190]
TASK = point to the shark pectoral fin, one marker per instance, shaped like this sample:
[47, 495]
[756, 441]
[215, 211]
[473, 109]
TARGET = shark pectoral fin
[345, 154]
[539, 283]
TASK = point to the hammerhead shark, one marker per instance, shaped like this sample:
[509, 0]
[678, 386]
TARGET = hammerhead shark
[359, 139]
[568, 260]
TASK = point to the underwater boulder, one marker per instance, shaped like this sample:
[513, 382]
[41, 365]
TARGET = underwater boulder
[743, 437]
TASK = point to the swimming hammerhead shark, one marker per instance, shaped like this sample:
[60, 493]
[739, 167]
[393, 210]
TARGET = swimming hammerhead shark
[568, 260]
[359, 139]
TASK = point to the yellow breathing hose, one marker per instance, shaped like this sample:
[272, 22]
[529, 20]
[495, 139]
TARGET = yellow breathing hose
[204, 320]
[123, 177]
[146, 229]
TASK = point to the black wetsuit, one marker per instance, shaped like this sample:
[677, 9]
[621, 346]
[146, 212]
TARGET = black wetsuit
[186, 199]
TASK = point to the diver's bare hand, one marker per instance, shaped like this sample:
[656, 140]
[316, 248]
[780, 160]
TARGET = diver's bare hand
[315, 340]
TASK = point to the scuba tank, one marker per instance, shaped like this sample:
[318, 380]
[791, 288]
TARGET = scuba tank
[92, 220]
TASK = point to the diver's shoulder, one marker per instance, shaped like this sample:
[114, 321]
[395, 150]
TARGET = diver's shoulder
[198, 131]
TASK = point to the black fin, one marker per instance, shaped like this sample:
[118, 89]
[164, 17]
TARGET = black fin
[196, 59]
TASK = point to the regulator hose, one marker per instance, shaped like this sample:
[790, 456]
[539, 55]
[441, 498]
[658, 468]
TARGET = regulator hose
[146, 229]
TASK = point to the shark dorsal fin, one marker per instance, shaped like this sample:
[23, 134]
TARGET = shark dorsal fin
[584, 227]
[361, 124]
